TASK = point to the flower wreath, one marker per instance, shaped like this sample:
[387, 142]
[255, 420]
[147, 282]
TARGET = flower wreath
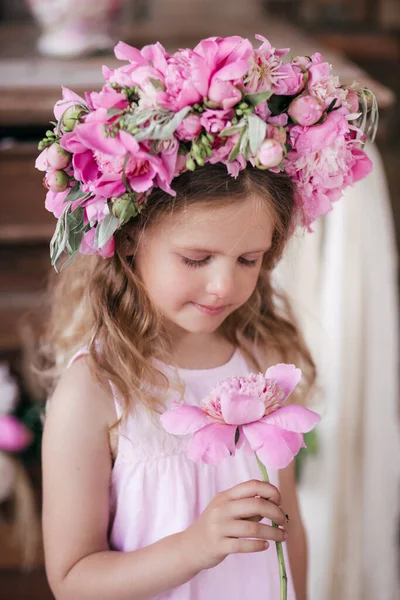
[222, 102]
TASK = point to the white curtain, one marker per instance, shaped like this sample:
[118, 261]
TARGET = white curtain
[343, 283]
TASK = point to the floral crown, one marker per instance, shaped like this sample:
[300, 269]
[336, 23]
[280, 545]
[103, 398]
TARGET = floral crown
[222, 102]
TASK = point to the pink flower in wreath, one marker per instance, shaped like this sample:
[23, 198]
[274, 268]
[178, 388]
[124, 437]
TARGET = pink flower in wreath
[249, 408]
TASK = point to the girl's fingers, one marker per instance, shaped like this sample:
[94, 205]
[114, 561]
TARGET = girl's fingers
[255, 507]
[252, 488]
[239, 546]
[249, 529]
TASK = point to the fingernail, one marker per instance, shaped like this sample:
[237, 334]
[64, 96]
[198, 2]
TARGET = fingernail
[285, 535]
[266, 544]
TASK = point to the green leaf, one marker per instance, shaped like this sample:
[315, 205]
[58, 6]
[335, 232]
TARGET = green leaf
[232, 130]
[76, 193]
[105, 230]
[113, 112]
[60, 238]
[164, 128]
[258, 97]
[239, 146]
[256, 130]
[76, 229]
[157, 84]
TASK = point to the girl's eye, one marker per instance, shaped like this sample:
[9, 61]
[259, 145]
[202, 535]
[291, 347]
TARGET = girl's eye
[199, 263]
[195, 263]
[248, 263]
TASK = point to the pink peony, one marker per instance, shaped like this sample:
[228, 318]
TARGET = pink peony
[251, 407]
[55, 202]
[224, 93]
[56, 181]
[312, 139]
[270, 153]
[189, 128]
[306, 110]
[14, 435]
[214, 121]
[290, 82]
[57, 157]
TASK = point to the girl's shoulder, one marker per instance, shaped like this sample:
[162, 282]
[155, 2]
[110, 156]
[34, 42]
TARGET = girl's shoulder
[80, 394]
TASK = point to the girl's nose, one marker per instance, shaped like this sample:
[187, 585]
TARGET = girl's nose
[221, 285]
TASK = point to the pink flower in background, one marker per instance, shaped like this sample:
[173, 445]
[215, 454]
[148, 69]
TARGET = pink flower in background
[251, 407]
[14, 435]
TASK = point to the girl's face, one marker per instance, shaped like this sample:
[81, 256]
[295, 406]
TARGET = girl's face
[202, 263]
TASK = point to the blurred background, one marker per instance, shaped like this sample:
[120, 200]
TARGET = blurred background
[343, 279]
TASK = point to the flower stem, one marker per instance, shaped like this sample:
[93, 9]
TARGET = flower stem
[279, 549]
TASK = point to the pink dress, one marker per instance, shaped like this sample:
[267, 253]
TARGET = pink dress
[157, 491]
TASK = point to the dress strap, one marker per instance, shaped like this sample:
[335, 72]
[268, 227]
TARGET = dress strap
[84, 351]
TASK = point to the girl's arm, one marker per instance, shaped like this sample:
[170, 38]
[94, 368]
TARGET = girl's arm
[297, 542]
[76, 483]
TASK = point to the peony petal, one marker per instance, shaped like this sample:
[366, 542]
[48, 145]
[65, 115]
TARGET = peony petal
[124, 51]
[213, 443]
[293, 418]
[287, 376]
[91, 134]
[243, 443]
[239, 408]
[275, 447]
[184, 419]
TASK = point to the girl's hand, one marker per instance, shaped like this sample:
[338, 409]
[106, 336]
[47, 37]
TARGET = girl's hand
[231, 518]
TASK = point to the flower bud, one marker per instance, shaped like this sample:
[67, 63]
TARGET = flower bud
[56, 181]
[72, 116]
[306, 110]
[190, 164]
[57, 157]
[270, 153]
[124, 209]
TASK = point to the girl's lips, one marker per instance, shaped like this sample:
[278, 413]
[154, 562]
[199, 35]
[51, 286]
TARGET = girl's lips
[209, 310]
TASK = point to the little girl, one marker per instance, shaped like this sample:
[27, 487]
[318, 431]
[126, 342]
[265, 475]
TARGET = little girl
[183, 179]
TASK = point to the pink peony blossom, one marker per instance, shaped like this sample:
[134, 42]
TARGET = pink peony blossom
[14, 435]
[224, 93]
[55, 202]
[189, 128]
[214, 121]
[306, 110]
[270, 153]
[251, 407]
[312, 139]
